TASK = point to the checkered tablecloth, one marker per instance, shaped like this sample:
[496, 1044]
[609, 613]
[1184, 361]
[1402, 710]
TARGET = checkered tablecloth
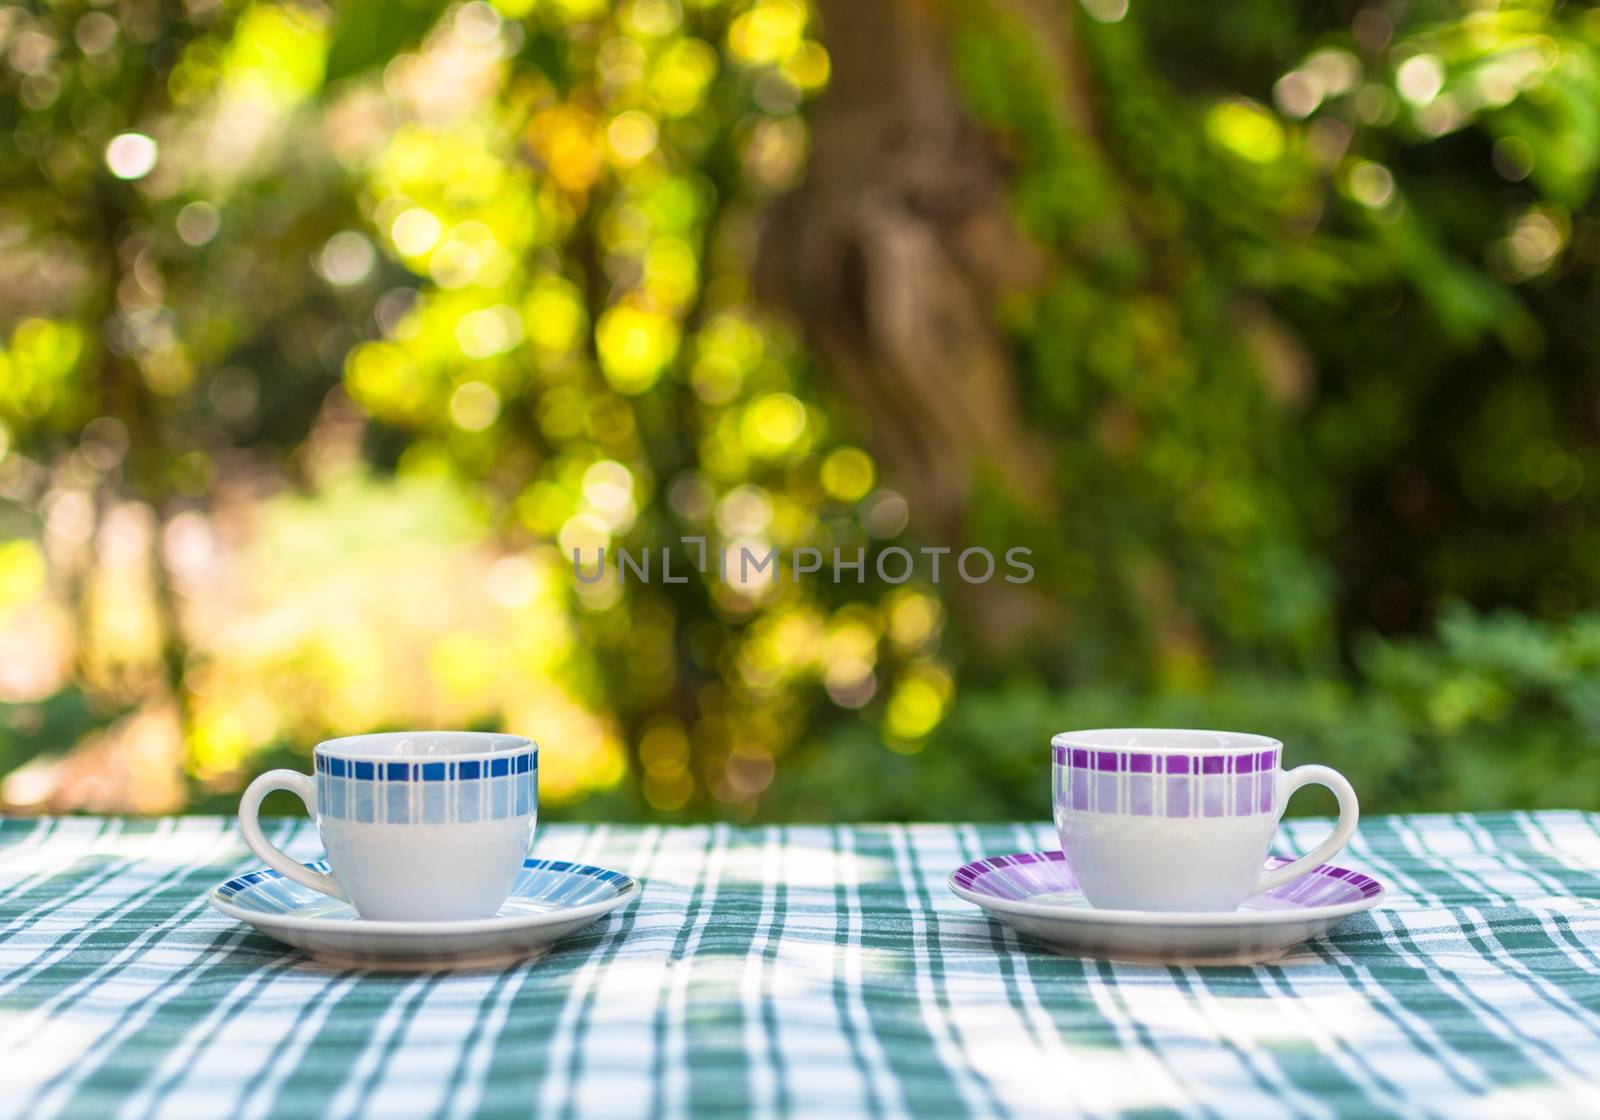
[816, 971]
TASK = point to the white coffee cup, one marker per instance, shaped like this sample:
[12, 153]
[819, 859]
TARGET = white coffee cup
[1158, 819]
[418, 825]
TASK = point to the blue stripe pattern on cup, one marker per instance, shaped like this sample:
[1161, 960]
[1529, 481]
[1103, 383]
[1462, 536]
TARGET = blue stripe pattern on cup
[1164, 784]
[378, 791]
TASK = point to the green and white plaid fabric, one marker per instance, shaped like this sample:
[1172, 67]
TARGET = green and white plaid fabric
[808, 971]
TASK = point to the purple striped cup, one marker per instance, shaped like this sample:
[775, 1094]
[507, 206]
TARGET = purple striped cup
[1157, 819]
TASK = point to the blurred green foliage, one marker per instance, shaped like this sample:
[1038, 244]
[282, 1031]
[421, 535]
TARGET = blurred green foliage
[328, 333]
[1500, 710]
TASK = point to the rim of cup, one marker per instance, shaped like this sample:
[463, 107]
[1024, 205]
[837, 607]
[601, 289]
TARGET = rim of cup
[1166, 740]
[452, 745]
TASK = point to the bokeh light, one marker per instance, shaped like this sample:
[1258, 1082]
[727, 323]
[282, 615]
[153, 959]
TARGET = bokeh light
[132, 155]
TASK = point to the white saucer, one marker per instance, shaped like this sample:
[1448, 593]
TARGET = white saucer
[1036, 893]
[550, 899]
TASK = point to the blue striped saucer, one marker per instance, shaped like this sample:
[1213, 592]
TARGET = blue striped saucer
[550, 899]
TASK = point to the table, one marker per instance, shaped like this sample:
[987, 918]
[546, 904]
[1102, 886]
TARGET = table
[808, 971]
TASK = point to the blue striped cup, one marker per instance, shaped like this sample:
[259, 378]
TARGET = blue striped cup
[418, 825]
[1164, 819]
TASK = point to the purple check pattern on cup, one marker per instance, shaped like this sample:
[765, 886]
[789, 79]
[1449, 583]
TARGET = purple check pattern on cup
[1164, 784]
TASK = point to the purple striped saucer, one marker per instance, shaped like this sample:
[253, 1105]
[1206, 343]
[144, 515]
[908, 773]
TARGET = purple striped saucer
[1036, 893]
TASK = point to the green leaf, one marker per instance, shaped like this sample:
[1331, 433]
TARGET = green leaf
[371, 32]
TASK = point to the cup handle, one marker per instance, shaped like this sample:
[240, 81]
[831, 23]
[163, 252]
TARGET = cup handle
[1349, 811]
[305, 789]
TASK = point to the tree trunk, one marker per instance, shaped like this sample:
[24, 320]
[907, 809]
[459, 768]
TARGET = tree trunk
[892, 254]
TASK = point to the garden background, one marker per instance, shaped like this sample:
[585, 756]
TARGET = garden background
[327, 332]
